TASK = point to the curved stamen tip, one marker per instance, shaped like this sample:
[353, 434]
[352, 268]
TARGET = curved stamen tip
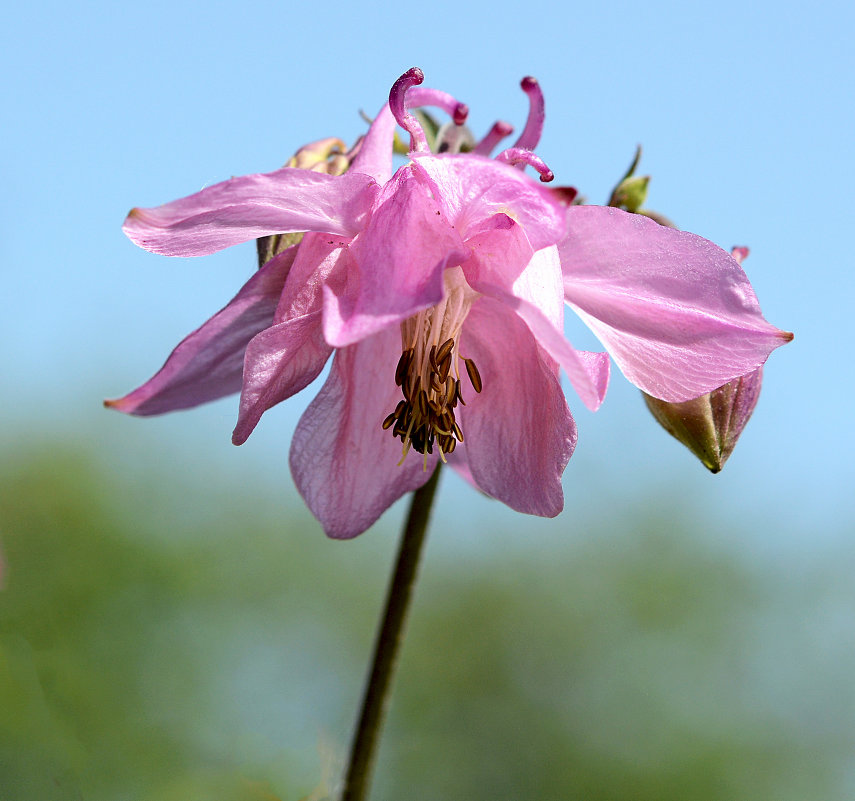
[536, 113]
[461, 112]
[499, 131]
[412, 77]
[398, 106]
[522, 157]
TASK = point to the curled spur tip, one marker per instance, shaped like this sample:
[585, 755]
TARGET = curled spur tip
[408, 93]
[536, 114]
[519, 156]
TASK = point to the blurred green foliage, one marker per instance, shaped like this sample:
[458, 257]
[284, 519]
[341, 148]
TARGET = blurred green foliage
[166, 641]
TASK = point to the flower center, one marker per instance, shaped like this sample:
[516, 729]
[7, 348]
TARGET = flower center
[428, 372]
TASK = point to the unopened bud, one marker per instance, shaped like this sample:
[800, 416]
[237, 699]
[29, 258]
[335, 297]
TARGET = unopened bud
[631, 193]
[710, 425]
[326, 155]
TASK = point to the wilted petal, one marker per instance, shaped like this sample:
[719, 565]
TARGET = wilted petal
[253, 206]
[344, 465]
[519, 434]
[401, 257]
[675, 311]
[473, 188]
[208, 364]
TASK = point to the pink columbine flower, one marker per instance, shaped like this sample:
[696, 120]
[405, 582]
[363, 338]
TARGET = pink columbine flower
[440, 287]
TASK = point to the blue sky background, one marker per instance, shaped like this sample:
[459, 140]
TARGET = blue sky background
[745, 113]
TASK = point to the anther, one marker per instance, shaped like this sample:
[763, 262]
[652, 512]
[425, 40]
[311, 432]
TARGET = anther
[444, 367]
[444, 350]
[387, 423]
[457, 432]
[403, 365]
[411, 391]
[474, 375]
[450, 392]
[457, 395]
[432, 358]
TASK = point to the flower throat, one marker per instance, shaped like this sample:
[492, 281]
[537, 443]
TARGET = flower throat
[429, 376]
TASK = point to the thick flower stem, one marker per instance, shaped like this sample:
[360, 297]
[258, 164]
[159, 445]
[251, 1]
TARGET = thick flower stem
[387, 645]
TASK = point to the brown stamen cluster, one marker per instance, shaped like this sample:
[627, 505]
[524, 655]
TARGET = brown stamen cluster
[431, 393]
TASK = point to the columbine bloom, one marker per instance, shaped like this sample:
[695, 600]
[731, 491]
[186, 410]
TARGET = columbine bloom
[441, 289]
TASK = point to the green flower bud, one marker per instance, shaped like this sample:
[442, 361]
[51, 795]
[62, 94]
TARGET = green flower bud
[710, 425]
[630, 193]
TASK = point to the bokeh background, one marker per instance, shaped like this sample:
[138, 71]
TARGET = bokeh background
[173, 623]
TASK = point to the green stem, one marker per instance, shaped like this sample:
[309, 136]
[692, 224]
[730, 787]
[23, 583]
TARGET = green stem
[386, 648]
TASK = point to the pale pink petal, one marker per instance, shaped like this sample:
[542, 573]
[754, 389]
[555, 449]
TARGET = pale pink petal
[322, 260]
[397, 262]
[288, 356]
[473, 188]
[499, 252]
[460, 462]
[208, 364]
[375, 153]
[535, 297]
[280, 361]
[253, 206]
[344, 465]
[519, 434]
[675, 311]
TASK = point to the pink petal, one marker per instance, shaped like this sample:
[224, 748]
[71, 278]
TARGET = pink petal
[208, 364]
[287, 357]
[280, 361]
[499, 252]
[397, 262]
[375, 153]
[322, 259]
[460, 462]
[253, 206]
[535, 296]
[519, 434]
[473, 188]
[344, 465]
[675, 311]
